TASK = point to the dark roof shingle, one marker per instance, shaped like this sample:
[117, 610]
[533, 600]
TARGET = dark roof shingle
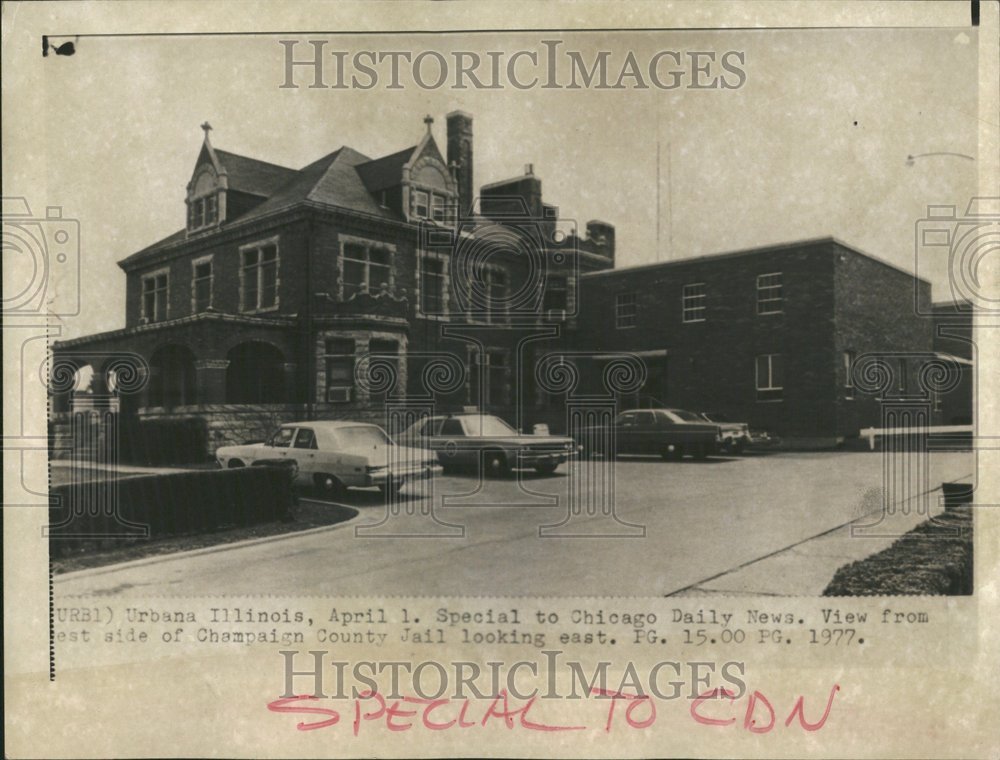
[385, 172]
[249, 175]
[334, 180]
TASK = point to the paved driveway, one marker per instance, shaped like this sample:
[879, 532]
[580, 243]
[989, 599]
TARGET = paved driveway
[700, 519]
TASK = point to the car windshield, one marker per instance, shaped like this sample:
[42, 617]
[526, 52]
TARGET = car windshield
[488, 426]
[362, 437]
[713, 417]
[685, 415]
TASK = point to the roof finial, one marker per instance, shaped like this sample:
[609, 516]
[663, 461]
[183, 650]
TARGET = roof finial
[207, 127]
[428, 120]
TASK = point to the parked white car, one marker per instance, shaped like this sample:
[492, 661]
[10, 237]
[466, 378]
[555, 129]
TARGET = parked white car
[336, 455]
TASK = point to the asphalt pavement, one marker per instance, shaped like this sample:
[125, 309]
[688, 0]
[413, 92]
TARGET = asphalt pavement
[677, 527]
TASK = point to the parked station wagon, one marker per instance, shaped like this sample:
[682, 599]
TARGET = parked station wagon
[336, 455]
[671, 433]
[468, 439]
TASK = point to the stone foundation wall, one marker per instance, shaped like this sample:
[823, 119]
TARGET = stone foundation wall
[230, 424]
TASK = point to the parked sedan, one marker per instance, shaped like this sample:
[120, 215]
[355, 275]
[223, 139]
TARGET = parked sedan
[468, 439]
[671, 433]
[735, 435]
[335, 455]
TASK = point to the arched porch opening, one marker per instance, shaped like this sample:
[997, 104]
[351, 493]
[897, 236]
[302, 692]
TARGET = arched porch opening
[255, 374]
[172, 376]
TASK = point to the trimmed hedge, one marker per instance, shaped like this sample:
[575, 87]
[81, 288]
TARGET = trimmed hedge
[170, 505]
[935, 558]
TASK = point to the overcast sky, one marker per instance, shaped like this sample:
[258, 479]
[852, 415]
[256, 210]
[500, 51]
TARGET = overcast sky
[815, 143]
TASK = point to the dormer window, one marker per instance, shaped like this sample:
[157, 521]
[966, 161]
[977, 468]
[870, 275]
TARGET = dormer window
[203, 212]
[437, 208]
[421, 206]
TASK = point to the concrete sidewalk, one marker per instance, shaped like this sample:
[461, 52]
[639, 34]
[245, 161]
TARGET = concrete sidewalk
[806, 568]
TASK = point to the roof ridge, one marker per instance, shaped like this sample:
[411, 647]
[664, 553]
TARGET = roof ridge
[251, 158]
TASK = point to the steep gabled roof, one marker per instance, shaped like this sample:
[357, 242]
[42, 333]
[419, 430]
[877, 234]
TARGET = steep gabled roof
[249, 175]
[333, 180]
[385, 172]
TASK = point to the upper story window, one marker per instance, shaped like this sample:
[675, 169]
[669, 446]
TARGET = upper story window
[201, 284]
[625, 310]
[155, 291]
[556, 297]
[203, 212]
[438, 208]
[433, 285]
[770, 295]
[427, 204]
[496, 287]
[259, 276]
[421, 204]
[203, 204]
[366, 267]
[693, 302]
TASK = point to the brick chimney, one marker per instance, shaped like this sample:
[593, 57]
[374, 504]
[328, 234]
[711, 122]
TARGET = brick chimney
[460, 156]
[602, 235]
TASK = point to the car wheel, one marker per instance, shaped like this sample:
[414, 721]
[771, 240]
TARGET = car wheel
[673, 452]
[234, 463]
[546, 469]
[495, 464]
[390, 489]
[738, 447]
[329, 486]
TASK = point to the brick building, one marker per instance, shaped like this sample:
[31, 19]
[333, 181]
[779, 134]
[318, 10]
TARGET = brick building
[324, 291]
[283, 282]
[769, 336]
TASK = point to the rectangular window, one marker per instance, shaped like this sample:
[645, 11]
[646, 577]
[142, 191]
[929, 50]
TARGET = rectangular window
[556, 294]
[490, 368]
[625, 310]
[693, 302]
[211, 210]
[201, 285]
[196, 214]
[203, 212]
[497, 288]
[770, 296]
[367, 268]
[259, 275]
[438, 209]
[339, 360]
[848, 374]
[421, 208]
[154, 297]
[770, 377]
[432, 286]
